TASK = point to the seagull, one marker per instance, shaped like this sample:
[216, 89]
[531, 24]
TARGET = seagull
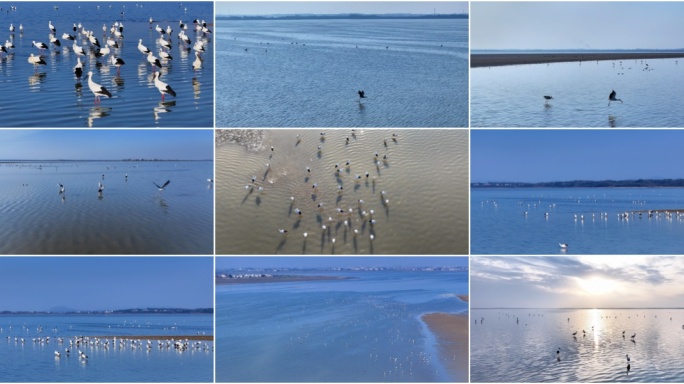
[97, 89]
[163, 186]
[612, 97]
[163, 87]
[36, 61]
[563, 245]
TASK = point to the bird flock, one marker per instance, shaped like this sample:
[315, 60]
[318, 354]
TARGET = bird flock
[107, 48]
[339, 214]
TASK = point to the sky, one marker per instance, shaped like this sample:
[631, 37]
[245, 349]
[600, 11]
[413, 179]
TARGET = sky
[577, 282]
[329, 261]
[566, 155]
[252, 8]
[104, 283]
[78, 144]
[577, 25]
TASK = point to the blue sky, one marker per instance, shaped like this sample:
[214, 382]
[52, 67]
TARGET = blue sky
[106, 144]
[329, 261]
[563, 155]
[332, 7]
[577, 282]
[101, 283]
[576, 25]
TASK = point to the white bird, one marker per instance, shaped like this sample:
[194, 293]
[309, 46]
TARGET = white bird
[78, 69]
[39, 45]
[9, 45]
[143, 49]
[164, 43]
[52, 27]
[57, 354]
[117, 62]
[164, 55]
[36, 61]
[563, 245]
[152, 59]
[163, 87]
[11, 28]
[159, 29]
[61, 188]
[67, 36]
[100, 187]
[197, 64]
[97, 89]
[78, 49]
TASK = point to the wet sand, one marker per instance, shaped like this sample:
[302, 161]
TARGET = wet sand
[452, 333]
[500, 59]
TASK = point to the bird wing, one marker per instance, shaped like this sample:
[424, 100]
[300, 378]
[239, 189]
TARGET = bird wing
[165, 184]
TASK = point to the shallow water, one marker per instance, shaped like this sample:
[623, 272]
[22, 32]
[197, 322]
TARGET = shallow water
[425, 179]
[500, 226]
[53, 96]
[503, 351]
[36, 362]
[366, 329]
[306, 73]
[131, 216]
[512, 96]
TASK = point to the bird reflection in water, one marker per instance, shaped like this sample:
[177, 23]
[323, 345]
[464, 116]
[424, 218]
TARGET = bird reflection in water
[163, 107]
[35, 80]
[196, 87]
[97, 112]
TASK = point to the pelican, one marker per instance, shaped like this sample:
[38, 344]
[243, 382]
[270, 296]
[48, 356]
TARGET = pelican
[163, 87]
[97, 89]
[612, 97]
[163, 186]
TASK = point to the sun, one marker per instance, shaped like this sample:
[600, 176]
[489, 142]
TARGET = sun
[596, 285]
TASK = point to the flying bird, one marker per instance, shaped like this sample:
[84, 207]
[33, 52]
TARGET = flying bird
[163, 186]
[612, 97]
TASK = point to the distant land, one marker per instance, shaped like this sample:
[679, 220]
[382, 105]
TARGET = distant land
[337, 269]
[638, 183]
[346, 16]
[136, 311]
[2, 161]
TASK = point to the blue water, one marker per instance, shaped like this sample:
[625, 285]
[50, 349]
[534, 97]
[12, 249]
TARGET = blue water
[366, 329]
[33, 361]
[505, 351]
[130, 216]
[500, 226]
[53, 96]
[512, 96]
[306, 73]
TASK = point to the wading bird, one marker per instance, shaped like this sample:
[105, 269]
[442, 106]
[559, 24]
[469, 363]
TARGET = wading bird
[612, 97]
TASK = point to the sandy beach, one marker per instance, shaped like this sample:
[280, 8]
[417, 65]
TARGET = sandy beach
[500, 59]
[452, 332]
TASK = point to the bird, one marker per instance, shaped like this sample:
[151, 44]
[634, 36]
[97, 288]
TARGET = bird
[57, 354]
[143, 49]
[118, 62]
[55, 41]
[164, 43]
[547, 98]
[39, 45]
[152, 59]
[574, 333]
[163, 87]
[100, 187]
[612, 97]
[97, 89]
[282, 231]
[163, 185]
[164, 55]
[36, 61]
[362, 95]
[78, 50]
[628, 359]
[78, 68]
[197, 64]
[52, 27]
[563, 245]
[61, 187]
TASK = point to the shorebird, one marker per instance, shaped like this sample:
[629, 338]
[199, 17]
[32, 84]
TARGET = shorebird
[39, 45]
[117, 62]
[36, 61]
[152, 59]
[97, 89]
[164, 55]
[163, 186]
[612, 97]
[78, 68]
[163, 87]
[143, 49]
[52, 27]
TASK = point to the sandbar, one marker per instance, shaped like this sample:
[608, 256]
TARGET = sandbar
[451, 332]
[500, 59]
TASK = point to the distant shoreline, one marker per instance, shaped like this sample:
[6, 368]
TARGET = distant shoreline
[277, 279]
[345, 16]
[160, 337]
[501, 59]
[638, 183]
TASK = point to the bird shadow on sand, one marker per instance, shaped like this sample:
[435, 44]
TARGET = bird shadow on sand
[281, 245]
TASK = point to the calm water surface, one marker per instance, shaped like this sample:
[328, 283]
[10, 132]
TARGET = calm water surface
[131, 216]
[505, 351]
[500, 226]
[512, 96]
[306, 73]
[53, 96]
[365, 329]
[424, 179]
[34, 361]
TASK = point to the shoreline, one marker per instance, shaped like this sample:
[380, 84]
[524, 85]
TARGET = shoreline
[159, 337]
[452, 334]
[278, 279]
[501, 59]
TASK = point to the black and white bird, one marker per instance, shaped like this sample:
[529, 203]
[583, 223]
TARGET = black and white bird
[97, 89]
[154, 61]
[117, 62]
[612, 97]
[163, 186]
[61, 187]
[36, 61]
[52, 27]
[163, 87]
[78, 69]
[39, 45]
[143, 49]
